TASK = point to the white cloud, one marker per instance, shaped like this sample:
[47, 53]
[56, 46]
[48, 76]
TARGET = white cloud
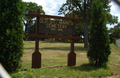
[113, 6]
[50, 7]
[115, 10]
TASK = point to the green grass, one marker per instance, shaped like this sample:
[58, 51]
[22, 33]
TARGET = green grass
[54, 62]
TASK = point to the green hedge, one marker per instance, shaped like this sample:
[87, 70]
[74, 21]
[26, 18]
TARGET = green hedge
[11, 34]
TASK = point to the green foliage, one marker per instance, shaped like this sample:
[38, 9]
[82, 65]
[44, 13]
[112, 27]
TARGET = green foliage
[31, 8]
[99, 40]
[29, 22]
[111, 19]
[82, 8]
[11, 34]
[115, 32]
[84, 71]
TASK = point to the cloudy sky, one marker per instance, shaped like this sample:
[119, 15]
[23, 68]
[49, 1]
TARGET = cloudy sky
[115, 10]
[51, 7]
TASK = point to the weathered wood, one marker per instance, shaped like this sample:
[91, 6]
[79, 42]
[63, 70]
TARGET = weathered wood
[36, 59]
[54, 36]
[72, 55]
[36, 56]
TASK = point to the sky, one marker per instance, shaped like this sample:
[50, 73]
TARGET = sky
[51, 7]
[115, 10]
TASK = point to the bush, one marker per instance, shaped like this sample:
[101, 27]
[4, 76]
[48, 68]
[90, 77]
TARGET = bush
[11, 34]
[99, 48]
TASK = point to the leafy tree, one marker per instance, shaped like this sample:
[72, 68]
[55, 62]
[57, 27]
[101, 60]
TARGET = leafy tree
[99, 49]
[82, 8]
[111, 19]
[29, 22]
[11, 34]
[115, 32]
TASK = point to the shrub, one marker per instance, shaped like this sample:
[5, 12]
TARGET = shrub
[99, 48]
[11, 34]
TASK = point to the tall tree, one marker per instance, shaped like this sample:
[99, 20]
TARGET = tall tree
[29, 22]
[82, 8]
[99, 48]
[11, 34]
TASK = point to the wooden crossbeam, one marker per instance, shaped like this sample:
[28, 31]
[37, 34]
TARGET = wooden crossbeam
[53, 36]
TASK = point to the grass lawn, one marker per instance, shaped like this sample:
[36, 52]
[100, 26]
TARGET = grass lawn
[54, 62]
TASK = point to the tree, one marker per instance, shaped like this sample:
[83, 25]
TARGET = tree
[82, 8]
[115, 32]
[99, 48]
[29, 22]
[11, 34]
[111, 19]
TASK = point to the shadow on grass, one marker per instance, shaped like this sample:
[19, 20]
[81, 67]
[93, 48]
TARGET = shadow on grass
[54, 67]
[83, 67]
[77, 48]
[30, 48]
[87, 67]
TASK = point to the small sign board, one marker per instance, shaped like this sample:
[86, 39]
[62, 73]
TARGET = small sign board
[55, 27]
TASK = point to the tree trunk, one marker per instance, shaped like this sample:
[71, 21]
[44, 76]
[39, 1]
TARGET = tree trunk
[85, 34]
[85, 27]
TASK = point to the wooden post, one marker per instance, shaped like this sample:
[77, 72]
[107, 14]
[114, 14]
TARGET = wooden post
[36, 56]
[72, 55]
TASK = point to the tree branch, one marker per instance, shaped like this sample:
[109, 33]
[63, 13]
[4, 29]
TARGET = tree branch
[76, 2]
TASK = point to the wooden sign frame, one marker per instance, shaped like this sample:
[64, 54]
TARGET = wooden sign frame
[36, 56]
